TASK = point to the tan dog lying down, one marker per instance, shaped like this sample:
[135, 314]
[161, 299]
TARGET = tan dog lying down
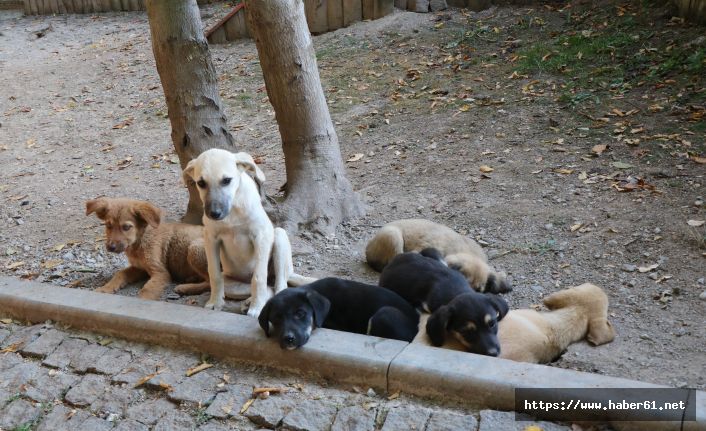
[460, 253]
[162, 252]
[527, 335]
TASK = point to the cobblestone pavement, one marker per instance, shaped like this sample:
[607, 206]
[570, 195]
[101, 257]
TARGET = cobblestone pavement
[54, 379]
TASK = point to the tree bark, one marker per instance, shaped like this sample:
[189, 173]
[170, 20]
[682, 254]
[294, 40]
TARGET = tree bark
[190, 86]
[318, 196]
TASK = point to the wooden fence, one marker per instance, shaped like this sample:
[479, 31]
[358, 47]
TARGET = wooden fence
[48, 7]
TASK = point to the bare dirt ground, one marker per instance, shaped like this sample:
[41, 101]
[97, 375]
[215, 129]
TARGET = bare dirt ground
[569, 142]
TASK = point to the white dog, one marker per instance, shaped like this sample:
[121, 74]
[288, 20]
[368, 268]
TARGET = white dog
[239, 237]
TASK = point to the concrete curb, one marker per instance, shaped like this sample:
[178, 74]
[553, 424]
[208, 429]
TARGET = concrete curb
[348, 358]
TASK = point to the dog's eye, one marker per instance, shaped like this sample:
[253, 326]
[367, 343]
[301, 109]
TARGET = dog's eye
[201, 184]
[108, 225]
[492, 324]
[126, 227]
[300, 314]
[226, 181]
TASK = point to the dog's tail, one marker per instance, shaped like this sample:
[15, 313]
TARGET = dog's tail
[385, 245]
[282, 249]
[299, 280]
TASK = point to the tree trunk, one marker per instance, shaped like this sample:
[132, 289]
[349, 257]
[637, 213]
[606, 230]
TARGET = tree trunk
[190, 86]
[318, 195]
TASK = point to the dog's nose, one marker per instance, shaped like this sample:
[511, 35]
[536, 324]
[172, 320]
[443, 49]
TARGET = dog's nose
[289, 339]
[215, 214]
[111, 247]
[493, 352]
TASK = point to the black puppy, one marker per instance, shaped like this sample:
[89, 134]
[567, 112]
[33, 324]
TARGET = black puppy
[426, 282]
[339, 304]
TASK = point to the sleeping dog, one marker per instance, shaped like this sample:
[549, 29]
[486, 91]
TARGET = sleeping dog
[339, 304]
[459, 252]
[427, 283]
[528, 335]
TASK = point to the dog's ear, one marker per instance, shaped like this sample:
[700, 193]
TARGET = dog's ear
[264, 318]
[149, 213]
[600, 331]
[437, 324]
[188, 172]
[98, 206]
[245, 161]
[321, 306]
[499, 304]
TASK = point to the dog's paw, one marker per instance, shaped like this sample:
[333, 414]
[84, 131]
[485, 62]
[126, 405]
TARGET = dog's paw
[214, 304]
[254, 310]
[108, 288]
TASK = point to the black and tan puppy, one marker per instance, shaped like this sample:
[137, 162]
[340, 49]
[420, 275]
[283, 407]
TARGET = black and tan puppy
[459, 252]
[424, 280]
[333, 303]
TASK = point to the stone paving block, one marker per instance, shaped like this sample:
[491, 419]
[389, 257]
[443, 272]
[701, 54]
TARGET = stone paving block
[150, 411]
[449, 421]
[44, 344]
[115, 399]
[9, 360]
[48, 385]
[491, 420]
[354, 418]
[198, 389]
[21, 374]
[175, 371]
[56, 420]
[216, 426]
[88, 358]
[175, 421]
[230, 402]
[17, 413]
[95, 424]
[269, 412]
[141, 367]
[88, 391]
[62, 356]
[112, 362]
[131, 425]
[4, 333]
[22, 336]
[310, 415]
[406, 418]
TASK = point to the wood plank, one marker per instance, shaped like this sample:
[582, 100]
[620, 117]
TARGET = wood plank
[316, 16]
[401, 4]
[352, 12]
[33, 7]
[106, 6]
[125, 4]
[219, 36]
[231, 28]
[54, 4]
[134, 5]
[80, 6]
[384, 8]
[69, 5]
[242, 28]
[25, 6]
[116, 6]
[368, 9]
[62, 7]
[335, 14]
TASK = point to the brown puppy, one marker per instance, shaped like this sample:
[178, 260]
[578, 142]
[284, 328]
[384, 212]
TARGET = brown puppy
[541, 337]
[161, 252]
[460, 253]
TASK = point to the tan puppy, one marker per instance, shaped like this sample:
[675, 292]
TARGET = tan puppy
[460, 253]
[240, 240]
[541, 337]
[162, 252]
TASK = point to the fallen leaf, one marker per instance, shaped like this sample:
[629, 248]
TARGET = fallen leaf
[621, 165]
[599, 149]
[14, 265]
[148, 377]
[576, 227]
[247, 405]
[58, 247]
[695, 223]
[699, 160]
[197, 369]
[257, 391]
[644, 269]
[356, 157]
[51, 264]
[6, 321]
[393, 396]
[123, 124]
[564, 171]
[166, 386]
[12, 347]
[486, 169]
